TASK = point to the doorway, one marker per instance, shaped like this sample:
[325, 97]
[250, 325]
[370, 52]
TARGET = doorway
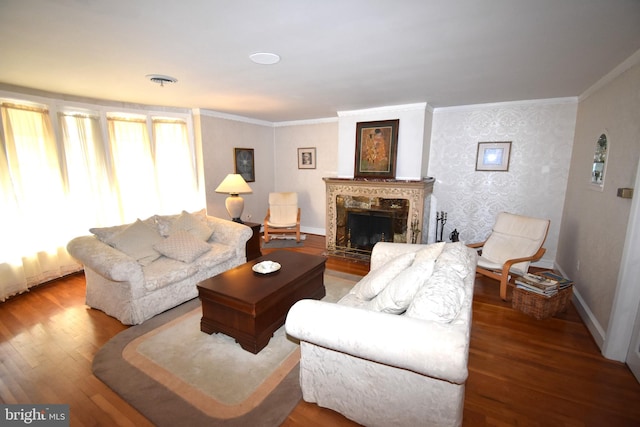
[623, 337]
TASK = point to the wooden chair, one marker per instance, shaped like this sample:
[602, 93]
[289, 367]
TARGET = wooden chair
[283, 215]
[513, 244]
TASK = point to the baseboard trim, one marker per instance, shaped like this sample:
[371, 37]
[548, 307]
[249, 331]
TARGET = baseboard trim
[585, 313]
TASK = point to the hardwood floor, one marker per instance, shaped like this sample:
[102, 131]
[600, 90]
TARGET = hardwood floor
[521, 371]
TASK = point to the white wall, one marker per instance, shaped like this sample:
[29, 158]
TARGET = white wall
[411, 131]
[594, 225]
[220, 134]
[308, 183]
[535, 184]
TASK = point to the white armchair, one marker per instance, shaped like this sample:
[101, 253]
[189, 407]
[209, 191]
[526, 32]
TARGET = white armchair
[513, 244]
[283, 215]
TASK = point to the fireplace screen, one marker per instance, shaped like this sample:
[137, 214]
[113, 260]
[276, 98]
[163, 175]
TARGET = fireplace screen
[361, 222]
[366, 228]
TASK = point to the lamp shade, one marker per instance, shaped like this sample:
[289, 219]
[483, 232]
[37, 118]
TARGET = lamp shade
[233, 184]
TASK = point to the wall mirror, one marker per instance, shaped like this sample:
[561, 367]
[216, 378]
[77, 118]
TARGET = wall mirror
[599, 161]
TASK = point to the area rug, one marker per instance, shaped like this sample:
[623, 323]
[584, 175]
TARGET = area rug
[283, 241]
[174, 374]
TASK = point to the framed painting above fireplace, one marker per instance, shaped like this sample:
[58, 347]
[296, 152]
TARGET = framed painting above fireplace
[376, 149]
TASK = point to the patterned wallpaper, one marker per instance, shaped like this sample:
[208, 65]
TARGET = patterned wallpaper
[535, 185]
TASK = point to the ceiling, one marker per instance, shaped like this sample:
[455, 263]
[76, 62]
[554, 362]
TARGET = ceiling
[336, 55]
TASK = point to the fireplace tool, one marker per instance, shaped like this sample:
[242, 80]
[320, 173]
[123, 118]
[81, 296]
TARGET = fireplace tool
[441, 220]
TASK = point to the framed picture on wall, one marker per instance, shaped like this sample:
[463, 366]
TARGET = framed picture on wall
[244, 163]
[493, 156]
[376, 149]
[307, 158]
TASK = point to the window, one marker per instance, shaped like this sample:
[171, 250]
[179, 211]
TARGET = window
[105, 169]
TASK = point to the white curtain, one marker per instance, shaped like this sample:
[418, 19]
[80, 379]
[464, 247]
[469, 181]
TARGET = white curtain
[175, 165]
[33, 216]
[89, 192]
[133, 168]
[52, 192]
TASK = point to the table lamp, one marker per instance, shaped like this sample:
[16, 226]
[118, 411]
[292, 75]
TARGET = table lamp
[234, 185]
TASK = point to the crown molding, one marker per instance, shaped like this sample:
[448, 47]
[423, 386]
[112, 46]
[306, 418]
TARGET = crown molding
[219, 115]
[630, 62]
[422, 106]
[475, 107]
[307, 122]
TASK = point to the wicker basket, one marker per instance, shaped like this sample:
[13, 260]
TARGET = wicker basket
[539, 306]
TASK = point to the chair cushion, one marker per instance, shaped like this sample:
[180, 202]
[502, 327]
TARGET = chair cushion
[283, 209]
[514, 236]
[137, 240]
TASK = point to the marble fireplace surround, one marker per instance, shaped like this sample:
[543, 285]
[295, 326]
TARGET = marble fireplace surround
[416, 192]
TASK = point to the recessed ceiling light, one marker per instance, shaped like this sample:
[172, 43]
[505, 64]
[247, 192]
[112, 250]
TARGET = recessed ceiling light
[265, 58]
[161, 79]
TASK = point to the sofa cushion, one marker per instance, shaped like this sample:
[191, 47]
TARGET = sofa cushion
[182, 246]
[166, 271]
[439, 299]
[375, 281]
[217, 254]
[137, 240]
[396, 297]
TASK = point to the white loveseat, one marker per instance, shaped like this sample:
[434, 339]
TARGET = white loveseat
[135, 271]
[394, 351]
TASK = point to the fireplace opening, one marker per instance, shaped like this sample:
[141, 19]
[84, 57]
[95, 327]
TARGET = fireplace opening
[366, 228]
[404, 204]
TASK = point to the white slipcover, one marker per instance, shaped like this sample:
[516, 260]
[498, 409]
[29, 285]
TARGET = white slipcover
[382, 369]
[132, 293]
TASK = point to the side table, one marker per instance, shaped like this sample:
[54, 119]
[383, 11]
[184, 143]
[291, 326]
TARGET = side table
[253, 244]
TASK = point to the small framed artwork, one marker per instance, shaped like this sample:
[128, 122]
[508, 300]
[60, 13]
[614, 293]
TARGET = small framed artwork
[493, 156]
[376, 149]
[244, 163]
[307, 158]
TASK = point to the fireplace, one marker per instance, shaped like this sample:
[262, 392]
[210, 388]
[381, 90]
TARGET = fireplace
[362, 212]
[366, 228]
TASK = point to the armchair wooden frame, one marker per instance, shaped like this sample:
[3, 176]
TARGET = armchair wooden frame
[500, 275]
[271, 230]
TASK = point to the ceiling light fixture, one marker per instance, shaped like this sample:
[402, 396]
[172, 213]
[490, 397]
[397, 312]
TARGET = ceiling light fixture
[160, 79]
[264, 58]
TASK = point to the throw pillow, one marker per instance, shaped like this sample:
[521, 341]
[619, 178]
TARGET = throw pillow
[375, 281]
[104, 234]
[396, 297]
[192, 224]
[164, 222]
[137, 241]
[440, 299]
[429, 253]
[182, 246]
[454, 257]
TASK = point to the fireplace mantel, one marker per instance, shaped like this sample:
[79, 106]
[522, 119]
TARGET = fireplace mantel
[417, 193]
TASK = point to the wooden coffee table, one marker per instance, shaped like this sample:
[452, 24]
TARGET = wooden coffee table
[249, 306]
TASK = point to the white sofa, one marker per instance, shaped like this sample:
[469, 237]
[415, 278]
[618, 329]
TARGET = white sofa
[394, 351]
[135, 271]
